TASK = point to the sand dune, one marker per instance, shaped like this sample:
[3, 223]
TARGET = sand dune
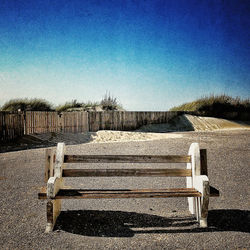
[194, 123]
[147, 132]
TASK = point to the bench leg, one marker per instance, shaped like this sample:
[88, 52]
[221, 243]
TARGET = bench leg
[53, 211]
[201, 205]
[196, 208]
[204, 204]
[192, 205]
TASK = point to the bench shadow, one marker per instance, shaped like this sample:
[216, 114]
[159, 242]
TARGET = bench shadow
[98, 223]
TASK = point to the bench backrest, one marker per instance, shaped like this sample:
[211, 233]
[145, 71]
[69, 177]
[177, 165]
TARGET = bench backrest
[55, 161]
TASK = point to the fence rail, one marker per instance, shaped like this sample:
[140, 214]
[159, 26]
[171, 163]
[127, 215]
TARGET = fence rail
[13, 125]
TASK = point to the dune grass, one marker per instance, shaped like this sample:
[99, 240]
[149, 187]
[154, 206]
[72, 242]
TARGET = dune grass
[75, 105]
[217, 106]
[108, 102]
[68, 105]
[26, 104]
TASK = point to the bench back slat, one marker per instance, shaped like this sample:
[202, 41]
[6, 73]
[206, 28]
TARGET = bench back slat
[126, 172]
[127, 159]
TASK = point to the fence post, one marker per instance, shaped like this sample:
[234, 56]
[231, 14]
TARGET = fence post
[60, 119]
[24, 123]
[87, 121]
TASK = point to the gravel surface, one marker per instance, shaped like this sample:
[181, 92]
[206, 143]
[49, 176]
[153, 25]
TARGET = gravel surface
[130, 223]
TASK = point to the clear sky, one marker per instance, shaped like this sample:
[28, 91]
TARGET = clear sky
[149, 54]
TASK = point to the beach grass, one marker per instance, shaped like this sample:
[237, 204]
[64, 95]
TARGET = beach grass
[26, 104]
[216, 106]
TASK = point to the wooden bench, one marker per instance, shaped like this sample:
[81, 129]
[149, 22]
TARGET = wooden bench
[197, 187]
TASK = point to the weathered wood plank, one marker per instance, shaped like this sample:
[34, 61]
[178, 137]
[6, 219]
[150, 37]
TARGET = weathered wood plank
[121, 193]
[126, 172]
[204, 204]
[194, 165]
[110, 194]
[47, 164]
[58, 167]
[203, 157]
[201, 184]
[11, 125]
[53, 186]
[127, 158]
[126, 120]
[213, 192]
[53, 211]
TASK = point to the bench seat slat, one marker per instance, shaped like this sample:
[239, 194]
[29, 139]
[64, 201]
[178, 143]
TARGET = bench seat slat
[66, 192]
[126, 172]
[125, 193]
[127, 158]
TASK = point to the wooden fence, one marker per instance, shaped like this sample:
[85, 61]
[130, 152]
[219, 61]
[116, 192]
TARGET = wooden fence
[75, 122]
[41, 122]
[13, 125]
[126, 120]
[67, 122]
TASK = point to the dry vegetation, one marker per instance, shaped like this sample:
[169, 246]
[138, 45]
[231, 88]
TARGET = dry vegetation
[216, 106]
[26, 104]
[108, 102]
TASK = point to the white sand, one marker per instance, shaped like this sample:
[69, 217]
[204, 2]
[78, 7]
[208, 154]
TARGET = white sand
[103, 136]
[182, 123]
[117, 136]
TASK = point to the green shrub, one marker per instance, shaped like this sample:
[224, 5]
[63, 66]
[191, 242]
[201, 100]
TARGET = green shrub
[27, 105]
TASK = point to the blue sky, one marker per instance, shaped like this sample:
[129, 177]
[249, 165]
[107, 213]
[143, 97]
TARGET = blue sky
[151, 55]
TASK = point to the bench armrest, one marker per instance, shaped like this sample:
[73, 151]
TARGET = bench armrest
[53, 186]
[199, 182]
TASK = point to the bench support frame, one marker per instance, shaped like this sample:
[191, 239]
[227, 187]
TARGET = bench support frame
[198, 206]
[55, 183]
